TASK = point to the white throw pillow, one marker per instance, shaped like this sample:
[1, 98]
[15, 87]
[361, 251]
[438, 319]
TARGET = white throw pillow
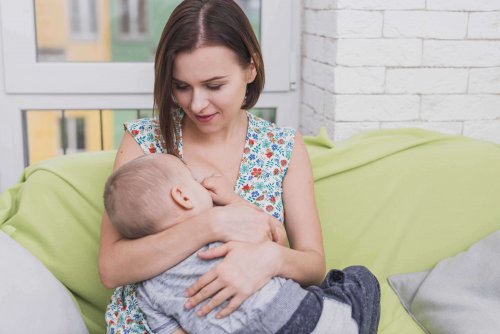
[32, 300]
[460, 295]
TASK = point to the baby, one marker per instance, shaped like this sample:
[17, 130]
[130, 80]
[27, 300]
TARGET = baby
[140, 203]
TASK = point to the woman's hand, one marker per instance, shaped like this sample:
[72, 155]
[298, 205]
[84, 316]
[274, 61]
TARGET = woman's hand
[244, 223]
[245, 269]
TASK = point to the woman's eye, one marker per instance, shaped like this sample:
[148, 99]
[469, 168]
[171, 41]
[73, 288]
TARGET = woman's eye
[214, 87]
[181, 87]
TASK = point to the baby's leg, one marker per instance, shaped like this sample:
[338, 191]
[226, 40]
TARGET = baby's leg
[347, 302]
[179, 331]
[356, 288]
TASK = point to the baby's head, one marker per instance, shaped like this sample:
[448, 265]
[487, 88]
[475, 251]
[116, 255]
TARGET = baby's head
[152, 193]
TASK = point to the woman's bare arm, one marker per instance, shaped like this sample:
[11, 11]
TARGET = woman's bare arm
[304, 261]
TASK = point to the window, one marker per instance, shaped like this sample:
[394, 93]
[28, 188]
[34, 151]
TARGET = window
[50, 133]
[133, 19]
[83, 19]
[110, 64]
[58, 56]
[108, 30]
[72, 135]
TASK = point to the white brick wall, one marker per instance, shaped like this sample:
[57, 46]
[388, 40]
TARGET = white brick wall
[464, 53]
[425, 24]
[379, 52]
[349, 108]
[466, 5]
[365, 80]
[426, 80]
[359, 23]
[484, 80]
[484, 25]
[371, 64]
[379, 4]
[461, 107]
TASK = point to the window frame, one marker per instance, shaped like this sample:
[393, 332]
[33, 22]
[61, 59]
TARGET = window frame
[27, 85]
[23, 74]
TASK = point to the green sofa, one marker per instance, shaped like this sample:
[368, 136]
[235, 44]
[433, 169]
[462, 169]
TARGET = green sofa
[396, 201]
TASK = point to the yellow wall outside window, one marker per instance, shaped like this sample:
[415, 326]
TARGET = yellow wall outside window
[44, 132]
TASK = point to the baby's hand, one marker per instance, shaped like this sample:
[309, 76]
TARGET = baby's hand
[220, 189]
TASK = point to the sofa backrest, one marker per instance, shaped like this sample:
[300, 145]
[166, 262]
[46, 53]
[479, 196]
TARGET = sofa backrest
[395, 201]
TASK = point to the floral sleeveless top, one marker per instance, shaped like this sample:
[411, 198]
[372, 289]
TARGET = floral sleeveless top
[264, 163]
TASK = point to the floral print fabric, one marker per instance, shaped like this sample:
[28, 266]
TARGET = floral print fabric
[264, 163]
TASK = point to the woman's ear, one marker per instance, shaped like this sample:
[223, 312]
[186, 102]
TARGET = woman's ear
[181, 198]
[251, 72]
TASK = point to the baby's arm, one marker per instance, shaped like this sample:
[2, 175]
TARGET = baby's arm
[222, 194]
[179, 331]
[220, 190]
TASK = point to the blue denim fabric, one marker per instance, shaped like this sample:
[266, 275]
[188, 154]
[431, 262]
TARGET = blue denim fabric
[295, 310]
[358, 287]
[355, 286]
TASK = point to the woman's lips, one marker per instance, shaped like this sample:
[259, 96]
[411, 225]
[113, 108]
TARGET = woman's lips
[205, 119]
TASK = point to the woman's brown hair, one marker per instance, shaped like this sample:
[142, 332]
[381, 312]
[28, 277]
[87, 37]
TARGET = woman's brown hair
[196, 23]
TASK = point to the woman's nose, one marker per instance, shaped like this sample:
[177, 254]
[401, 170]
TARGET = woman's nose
[199, 101]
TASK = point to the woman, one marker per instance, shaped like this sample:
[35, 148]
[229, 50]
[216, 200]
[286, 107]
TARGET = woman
[208, 72]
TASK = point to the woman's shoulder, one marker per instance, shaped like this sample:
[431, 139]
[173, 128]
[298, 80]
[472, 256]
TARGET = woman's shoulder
[268, 132]
[142, 124]
[147, 133]
[265, 127]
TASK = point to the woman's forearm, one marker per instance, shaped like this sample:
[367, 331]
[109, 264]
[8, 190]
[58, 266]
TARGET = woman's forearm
[306, 267]
[124, 261]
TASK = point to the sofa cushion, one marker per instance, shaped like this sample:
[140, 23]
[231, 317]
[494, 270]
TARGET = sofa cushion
[34, 300]
[55, 213]
[460, 295]
[399, 201]
[396, 201]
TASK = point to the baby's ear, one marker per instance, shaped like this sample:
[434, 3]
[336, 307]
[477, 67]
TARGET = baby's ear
[181, 198]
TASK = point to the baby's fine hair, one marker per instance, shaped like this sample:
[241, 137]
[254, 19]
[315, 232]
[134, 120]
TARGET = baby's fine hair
[136, 196]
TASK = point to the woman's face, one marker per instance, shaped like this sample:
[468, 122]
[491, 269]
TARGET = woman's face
[209, 84]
